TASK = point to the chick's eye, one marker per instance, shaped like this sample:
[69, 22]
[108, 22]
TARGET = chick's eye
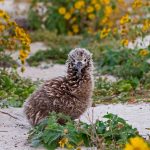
[84, 59]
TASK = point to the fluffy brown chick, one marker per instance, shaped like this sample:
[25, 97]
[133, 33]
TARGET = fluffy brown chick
[70, 95]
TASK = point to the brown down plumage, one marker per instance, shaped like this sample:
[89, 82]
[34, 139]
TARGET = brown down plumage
[70, 95]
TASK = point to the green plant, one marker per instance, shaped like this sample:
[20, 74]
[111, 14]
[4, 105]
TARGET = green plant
[50, 55]
[51, 134]
[124, 63]
[123, 91]
[114, 92]
[14, 89]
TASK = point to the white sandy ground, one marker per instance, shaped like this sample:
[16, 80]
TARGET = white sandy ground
[35, 73]
[14, 132]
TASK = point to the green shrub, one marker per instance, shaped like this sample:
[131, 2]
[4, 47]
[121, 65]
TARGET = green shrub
[125, 63]
[112, 132]
[14, 89]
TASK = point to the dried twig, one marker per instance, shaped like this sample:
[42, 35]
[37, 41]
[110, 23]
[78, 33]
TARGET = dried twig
[8, 114]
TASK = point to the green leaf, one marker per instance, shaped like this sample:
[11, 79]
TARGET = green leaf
[36, 142]
[50, 136]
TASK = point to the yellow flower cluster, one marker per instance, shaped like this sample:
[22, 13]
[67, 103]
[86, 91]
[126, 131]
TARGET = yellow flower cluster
[18, 38]
[105, 17]
[137, 143]
[79, 8]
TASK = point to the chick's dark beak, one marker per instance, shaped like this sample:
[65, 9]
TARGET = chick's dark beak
[79, 66]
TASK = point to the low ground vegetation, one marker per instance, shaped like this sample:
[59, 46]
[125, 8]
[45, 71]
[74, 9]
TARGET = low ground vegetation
[109, 134]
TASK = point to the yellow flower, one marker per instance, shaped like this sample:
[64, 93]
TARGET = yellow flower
[71, 10]
[108, 11]
[124, 19]
[137, 3]
[1, 0]
[2, 27]
[91, 16]
[90, 9]
[63, 142]
[104, 20]
[104, 33]
[23, 54]
[22, 35]
[67, 16]
[110, 23]
[137, 143]
[75, 28]
[124, 42]
[146, 25]
[120, 1]
[90, 30]
[123, 31]
[144, 52]
[105, 2]
[93, 1]
[79, 4]
[2, 13]
[97, 6]
[62, 10]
